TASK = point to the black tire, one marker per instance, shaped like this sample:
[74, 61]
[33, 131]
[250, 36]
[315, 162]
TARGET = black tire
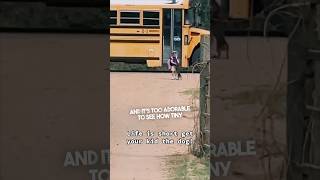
[195, 58]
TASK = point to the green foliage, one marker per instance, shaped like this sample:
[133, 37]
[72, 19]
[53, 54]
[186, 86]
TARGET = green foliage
[205, 13]
[188, 167]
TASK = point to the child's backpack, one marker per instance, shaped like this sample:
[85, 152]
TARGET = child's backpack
[174, 60]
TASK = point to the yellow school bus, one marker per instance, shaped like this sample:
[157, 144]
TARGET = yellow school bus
[148, 30]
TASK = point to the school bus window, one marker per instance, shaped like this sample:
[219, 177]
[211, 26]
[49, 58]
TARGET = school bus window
[151, 18]
[113, 17]
[188, 17]
[132, 17]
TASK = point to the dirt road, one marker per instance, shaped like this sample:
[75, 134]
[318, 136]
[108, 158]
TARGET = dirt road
[139, 90]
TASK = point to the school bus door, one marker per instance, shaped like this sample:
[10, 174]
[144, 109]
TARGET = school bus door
[172, 33]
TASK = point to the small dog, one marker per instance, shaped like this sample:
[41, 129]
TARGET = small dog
[179, 76]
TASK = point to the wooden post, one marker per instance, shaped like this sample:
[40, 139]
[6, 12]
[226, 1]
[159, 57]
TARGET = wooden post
[205, 92]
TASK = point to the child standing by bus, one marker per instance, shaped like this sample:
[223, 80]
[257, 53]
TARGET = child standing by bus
[173, 63]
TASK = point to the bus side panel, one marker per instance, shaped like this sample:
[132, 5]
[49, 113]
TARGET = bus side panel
[195, 38]
[141, 49]
[185, 47]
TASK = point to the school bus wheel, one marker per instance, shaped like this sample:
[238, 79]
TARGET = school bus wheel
[195, 57]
